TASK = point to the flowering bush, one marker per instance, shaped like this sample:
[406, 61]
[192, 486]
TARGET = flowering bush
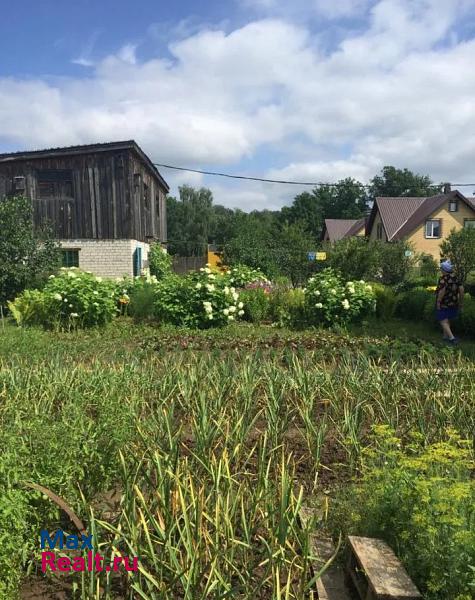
[329, 299]
[242, 275]
[71, 299]
[203, 299]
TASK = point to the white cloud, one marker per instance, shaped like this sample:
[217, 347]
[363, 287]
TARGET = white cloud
[402, 92]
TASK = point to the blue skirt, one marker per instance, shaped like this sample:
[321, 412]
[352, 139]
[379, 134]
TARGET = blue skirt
[447, 313]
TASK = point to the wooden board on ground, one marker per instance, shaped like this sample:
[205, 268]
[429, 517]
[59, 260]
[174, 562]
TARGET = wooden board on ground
[331, 585]
[377, 572]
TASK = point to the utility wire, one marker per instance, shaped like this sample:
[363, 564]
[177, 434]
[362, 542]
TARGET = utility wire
[281, 181]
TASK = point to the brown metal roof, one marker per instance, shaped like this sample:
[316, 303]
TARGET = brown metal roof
[402, 215]
[85, 149]
[340, 228]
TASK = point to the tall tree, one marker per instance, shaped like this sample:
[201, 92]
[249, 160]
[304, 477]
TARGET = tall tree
[344, 200]
[189, 221]
[401, 182]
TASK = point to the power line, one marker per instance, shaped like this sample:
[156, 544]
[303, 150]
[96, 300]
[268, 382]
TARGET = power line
[280, 181]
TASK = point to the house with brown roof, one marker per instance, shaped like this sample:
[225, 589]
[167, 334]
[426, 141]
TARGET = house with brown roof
[424, 222]
[337, 229]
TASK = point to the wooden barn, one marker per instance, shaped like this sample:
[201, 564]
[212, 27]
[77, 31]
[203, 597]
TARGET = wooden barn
[105, 202]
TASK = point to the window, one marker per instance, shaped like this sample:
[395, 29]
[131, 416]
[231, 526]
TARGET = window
[55, 183]
[379, 231]
[453, 205]
[70, 258]
[433, 227]
[469, 223]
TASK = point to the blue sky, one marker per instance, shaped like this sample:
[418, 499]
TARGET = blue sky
[312, 89]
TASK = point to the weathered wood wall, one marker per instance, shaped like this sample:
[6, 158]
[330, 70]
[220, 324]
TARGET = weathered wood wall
[113, 195]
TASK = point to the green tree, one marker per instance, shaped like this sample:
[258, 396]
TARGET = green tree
[459, 246]
[189, 221]
[401, 182]
[27, 255]
[344, 200]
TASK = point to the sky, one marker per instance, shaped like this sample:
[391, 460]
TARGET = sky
[313, 90]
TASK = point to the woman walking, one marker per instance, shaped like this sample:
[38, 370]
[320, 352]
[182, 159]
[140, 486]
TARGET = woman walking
[449, 299]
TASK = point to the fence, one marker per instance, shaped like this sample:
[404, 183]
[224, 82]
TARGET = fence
[183, 264]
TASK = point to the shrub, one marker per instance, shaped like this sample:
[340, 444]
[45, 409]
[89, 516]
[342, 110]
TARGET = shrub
[256, 304]
[411, 305]
[353, 257]
[467, 315]
[459, 246]
[160, 262]
[420, 500]
[428, 267]
[242, 275]
[201, 299]
[329, 300]
[142, 301]
[72, 299]
[287, 307]
[385, 301]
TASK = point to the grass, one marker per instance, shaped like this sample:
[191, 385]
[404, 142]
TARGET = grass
[209, 442]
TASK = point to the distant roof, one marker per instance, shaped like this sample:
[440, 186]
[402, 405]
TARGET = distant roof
[340, 228]
[402, 215]
[85, 149]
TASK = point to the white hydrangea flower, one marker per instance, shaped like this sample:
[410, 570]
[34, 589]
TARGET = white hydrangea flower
[95, 304]
[369, 288]
[65, 300]
[95, 292]
[319, 305]
[202, 269]
[70, 306]
[230, 318]
[58, 297]
[235, 296]
[71, 274]
[317, 293]
[211, 276]
[240, 313]
[99, 279]
[240, 305]
[226, 312]
[206, 304]
[74, 315]
[232, 309]
[118, 279]
[210, 317]
[345, 304]
[208, 309]
[207, 270]
[226, 289]
[361, 281]
[51, 277]
[198, 286]
[210, 287]
[333, 291]
[233, 290]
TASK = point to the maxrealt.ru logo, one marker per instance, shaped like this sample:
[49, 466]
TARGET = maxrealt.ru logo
[92, 561]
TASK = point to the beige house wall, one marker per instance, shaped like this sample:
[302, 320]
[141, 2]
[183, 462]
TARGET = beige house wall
[373, 235]
[449, 221]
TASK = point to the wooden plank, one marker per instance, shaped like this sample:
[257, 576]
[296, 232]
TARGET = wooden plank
[384, 572]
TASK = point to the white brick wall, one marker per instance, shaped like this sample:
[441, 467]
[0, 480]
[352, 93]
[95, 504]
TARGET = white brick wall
[107, 258]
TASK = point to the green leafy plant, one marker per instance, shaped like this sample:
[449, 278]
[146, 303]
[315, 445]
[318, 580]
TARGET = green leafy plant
[256, 304]
[160, 262]
[420, 500]
[385, 301]
[410, 305]
[70, 300]
[241, 275]
[459, 246]
[329, 300]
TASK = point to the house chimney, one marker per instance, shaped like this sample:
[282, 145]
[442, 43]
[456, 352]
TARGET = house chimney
[447, 188]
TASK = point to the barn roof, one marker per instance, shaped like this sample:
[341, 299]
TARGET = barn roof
[401, 215]
[85, 149]
[340, 228]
